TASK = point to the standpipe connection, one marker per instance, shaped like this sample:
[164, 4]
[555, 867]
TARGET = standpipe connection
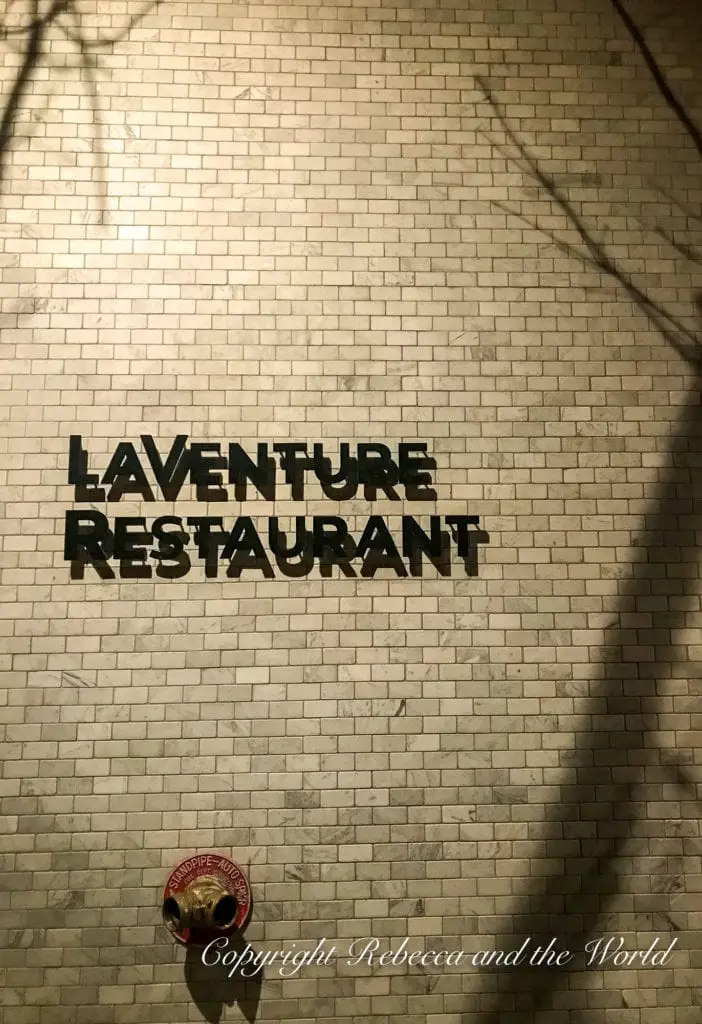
[205, 905]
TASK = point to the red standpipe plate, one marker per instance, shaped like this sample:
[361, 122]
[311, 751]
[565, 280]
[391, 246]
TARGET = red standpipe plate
[229, 874]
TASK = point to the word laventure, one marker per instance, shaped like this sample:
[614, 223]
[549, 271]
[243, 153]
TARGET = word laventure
[139, 548]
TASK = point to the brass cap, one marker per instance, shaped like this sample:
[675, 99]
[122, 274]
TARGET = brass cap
[204, 905]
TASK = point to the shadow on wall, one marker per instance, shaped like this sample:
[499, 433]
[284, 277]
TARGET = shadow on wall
[212, 989]
[616, 767]
[595, 818]
[27, 34]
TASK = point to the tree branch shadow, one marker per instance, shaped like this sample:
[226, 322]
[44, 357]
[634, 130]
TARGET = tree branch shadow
[35, 32]
[614, 762]
[685, 250]
[597, 817]
[589, 250]
[659, 77]
[688, 213]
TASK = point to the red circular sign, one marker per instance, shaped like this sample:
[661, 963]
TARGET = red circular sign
[228, 874]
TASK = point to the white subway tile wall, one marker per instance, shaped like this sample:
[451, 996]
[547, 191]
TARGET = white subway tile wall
[269, 224]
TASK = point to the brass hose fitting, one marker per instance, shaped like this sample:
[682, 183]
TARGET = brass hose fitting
[204, 905]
